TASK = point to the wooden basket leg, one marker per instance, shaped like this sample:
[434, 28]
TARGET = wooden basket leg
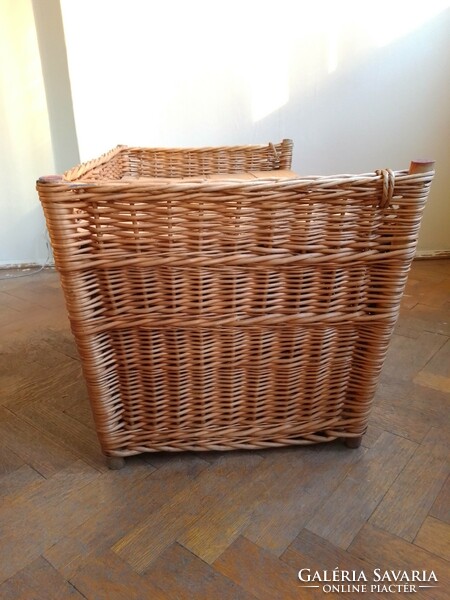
[115, 462]
[353, 442]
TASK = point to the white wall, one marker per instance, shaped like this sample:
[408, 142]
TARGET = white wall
[25, 148]
[357, 85]
[52, 50]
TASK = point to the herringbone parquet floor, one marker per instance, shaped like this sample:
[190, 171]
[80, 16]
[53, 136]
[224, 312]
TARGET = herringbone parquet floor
[217, 526]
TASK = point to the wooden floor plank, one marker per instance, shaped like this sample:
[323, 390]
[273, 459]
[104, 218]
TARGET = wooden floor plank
[31, 324]
[437, 295]
[110, 578]
[440, 362]
[217, 527]
[321, 553]
[406, 356]
[145, 494]
[80, 410]
[9, 461]
[428, 273]
[17, 481]
[434, 536]
[431, 318]
[309, 551]
[430, 403]
[409, 499]
[38, 581]
[17, 368]
[302, 479]
[65, 431]
[260, 573]
[43, 291]
[40, 351]
[13, 302]
[34, 447]
[8, 315]
[429, 287]
[290, 475]
[145, 543]
[441, 506]
[60, 505]
[43, 383]
[387, 551]
[32, 522]
[422, 318]
[433, 381]
[183, 576]
[394, 411]
[62, 342]
[407, 409]
[340, 518]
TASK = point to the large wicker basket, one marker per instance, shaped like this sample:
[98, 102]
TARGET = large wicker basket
[219, 302]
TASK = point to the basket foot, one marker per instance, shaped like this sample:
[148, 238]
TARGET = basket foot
[115, 462]
[353, 442]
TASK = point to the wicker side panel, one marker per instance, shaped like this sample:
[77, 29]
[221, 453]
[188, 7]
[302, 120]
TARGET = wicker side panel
[190, 388]
[109, 166]
[183, 162]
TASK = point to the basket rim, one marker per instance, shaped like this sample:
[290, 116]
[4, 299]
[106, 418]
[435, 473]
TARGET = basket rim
[230, 182]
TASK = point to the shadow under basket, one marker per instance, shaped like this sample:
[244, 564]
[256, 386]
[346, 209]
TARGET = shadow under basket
[220, 301]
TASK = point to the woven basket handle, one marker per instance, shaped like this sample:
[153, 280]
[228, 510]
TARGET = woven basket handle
[388, 179]
[276, 156]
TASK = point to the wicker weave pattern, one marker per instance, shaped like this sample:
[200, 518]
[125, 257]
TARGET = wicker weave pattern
[124, 161]
[230, 314]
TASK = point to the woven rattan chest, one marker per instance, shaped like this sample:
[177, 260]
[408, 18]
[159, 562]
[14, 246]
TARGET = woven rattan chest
[220, 301]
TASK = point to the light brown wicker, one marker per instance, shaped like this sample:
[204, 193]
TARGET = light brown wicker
[230, 313]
